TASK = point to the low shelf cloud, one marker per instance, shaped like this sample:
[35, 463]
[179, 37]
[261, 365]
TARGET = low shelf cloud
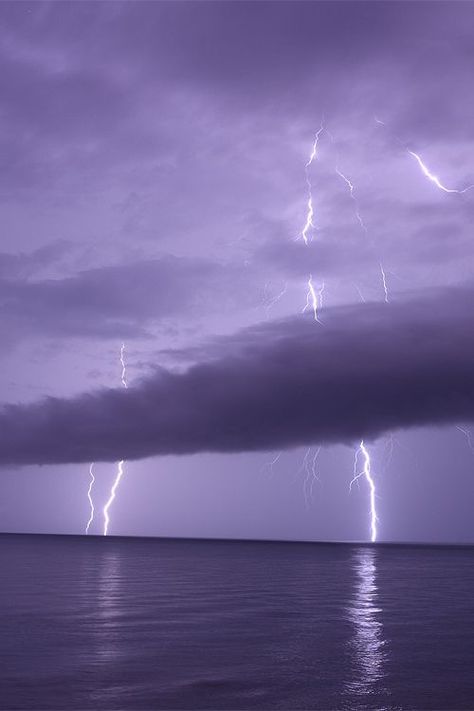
[366, 370]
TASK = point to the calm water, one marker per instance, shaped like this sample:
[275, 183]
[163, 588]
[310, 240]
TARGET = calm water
[147, 624]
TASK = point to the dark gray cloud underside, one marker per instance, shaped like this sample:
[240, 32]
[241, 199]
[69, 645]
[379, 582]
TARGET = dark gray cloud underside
[369, 369]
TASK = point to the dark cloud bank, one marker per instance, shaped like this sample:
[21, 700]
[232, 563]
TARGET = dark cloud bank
[365, 370]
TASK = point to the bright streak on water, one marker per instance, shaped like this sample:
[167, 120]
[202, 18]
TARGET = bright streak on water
[367, 644]
[226, 624]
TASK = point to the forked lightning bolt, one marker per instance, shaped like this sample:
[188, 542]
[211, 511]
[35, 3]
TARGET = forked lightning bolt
[313, 296]
[124, 367]
[314, 299]
[350, 185]
[433, 178]
[424, 168]
[270, 465]
[314, 149]
[89, 496]
[272, 300]
[361, 295]
[313, 302]
[120, 464]
[311, 475]
[309, 225]
[309, 220]
[366, 472]
[314, 473]
[384, 282]
[361, 222]
[112, 496]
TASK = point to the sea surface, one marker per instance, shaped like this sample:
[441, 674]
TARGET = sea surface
[115, 623]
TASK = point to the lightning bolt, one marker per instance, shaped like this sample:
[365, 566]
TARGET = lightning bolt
[313, 296]
[123, 377]
[361, 295]
[112, 496]
[315, 475]
[424, 168]
[433, 178]
[89, 496]
[384, 282]
[120, 464]
[361, 222]
[368, 641]
[311, 475]
[272, 300]
[313, 302]
[314, 299]
[350, 185]
[270, 465]
[366, 472]
[309, 225]
[309, 221]
[315, 146]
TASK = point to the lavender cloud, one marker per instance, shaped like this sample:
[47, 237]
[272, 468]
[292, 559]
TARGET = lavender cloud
[115, 301]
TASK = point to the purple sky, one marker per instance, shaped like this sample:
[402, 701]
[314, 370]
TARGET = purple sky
[153, 193]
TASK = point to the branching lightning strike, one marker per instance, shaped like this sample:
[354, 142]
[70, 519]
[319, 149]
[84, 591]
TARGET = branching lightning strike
[309, 224]
[272, 300]
[89, 496]
[315, 474]
[120, 464]
[433, 178]
[270, 465]
[424, 168]
[366, 472]
[314, 299]
[112, 496]
[311, 474]
[361, 222]
[313, 296]
[361, 295]
[123, 377]
[313, 302]
[350, 185]
[384, 282]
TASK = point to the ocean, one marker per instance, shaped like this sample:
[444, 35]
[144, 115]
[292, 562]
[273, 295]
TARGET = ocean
[120, 623]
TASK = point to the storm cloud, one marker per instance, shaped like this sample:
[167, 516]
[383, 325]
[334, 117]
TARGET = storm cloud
[154, 189]
[365, 370]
